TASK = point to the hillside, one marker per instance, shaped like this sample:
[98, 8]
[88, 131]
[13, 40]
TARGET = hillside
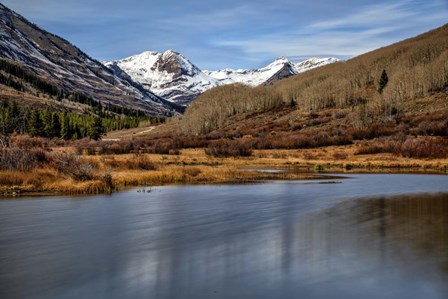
[414, 69]
[65, 69]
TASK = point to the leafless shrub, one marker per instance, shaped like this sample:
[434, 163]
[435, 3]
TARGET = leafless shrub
[425, 147]
[24, 141]
[228, 148]
[74, 166]
[22, 159]
[140, 162]
[322, 139]
[319, 121]
[433, 128]
[340, 114]
[162, 147]
[340, 156]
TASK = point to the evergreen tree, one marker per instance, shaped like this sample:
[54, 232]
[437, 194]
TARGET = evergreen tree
[76, 133]
[47, 123]
[55, 125]
[35, 124]
[95, 129]
[6, 125]
[66, 132]
[384, 79]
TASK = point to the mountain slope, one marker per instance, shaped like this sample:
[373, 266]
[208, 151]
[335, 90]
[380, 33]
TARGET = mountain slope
[169, 75]
[55, 60]
[313, 63]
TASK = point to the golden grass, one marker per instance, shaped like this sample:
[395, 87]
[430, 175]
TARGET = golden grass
[192, 166]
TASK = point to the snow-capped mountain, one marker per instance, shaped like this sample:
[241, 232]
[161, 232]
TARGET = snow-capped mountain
[173, 77]
[254, 77]
[169, 75]
[56, 60]
[279, 69]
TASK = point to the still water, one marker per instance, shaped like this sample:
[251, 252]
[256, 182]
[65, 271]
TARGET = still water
[369, 236]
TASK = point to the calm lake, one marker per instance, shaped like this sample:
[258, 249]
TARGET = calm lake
[368, 236]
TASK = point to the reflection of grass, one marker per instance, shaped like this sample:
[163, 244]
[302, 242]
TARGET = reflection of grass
[193, 166]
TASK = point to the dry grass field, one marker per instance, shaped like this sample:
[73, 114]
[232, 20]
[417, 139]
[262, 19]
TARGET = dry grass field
[107, 173]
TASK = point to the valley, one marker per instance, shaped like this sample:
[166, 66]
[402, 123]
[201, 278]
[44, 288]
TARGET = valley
[71, 124]
[210, 149]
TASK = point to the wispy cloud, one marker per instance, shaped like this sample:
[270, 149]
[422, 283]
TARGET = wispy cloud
[234, 33]
[211, 20]
[369, 16]
[371, 27]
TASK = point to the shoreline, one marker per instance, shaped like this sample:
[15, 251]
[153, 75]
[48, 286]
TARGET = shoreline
[193, 168]
[112, 173]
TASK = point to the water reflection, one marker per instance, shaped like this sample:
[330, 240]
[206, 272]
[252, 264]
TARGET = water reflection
[388, 247]
[263, 241]
[406, 233]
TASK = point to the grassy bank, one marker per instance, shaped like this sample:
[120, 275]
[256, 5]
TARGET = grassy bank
[64, 172]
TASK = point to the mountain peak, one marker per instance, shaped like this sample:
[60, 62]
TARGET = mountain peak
[169, 74]
[282, 59]
[171, 52]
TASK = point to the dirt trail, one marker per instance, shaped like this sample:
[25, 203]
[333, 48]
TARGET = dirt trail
[127, 134]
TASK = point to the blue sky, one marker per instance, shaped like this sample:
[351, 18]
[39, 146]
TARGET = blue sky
[233, 33]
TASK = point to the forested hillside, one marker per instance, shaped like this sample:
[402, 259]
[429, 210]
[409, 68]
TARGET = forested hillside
[415, 68]
[375, 87]
[66, 115]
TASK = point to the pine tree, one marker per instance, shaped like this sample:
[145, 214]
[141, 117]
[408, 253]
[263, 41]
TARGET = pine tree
[66, 132]
[6, 124]
[383, 81]
[35, 124]
[47, 123]
[95, 129]
[55, 125]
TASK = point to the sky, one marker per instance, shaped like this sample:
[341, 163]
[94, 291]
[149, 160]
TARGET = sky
[233, 33]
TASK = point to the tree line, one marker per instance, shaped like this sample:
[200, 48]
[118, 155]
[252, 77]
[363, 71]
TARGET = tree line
[212, 109]
[55, 124]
